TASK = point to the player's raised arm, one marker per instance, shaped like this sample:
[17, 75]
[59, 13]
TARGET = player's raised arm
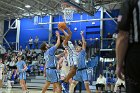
[58, 39]
[62, 26]
[83, 40]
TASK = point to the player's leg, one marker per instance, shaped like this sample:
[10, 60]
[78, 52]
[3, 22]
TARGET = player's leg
[25, 86]
[71, 73]
[87, 86]
[46, 86]
[72, 86]
[58, 87]
[22, 85]
[84, 75]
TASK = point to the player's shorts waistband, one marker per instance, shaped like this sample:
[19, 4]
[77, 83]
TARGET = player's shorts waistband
[51, 68]
[81, 69]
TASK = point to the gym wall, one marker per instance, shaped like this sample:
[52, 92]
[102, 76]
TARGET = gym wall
[91, 29]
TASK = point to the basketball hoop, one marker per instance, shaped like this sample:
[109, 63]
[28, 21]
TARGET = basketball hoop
[68, 12]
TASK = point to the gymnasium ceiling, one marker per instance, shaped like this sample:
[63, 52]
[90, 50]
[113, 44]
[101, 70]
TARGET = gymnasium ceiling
[28, 8]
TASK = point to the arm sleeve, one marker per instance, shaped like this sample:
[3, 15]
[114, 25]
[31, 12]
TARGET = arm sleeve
[124, 17]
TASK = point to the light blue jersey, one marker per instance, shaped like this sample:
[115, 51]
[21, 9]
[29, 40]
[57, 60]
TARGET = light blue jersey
[20, 67]
[81, 59]
[50, 58]
[51, 71]
[81, 73]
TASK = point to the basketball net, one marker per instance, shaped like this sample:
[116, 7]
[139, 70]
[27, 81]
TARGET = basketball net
[68, 12]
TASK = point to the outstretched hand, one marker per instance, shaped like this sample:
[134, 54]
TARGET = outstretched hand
[61, 29]
[82, 33]
[57, 33]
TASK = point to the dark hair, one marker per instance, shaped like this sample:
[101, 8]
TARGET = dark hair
[43, 46]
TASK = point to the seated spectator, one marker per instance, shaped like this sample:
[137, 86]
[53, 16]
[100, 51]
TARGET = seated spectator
[41, 69]
[14, 76]
[34, 55]
[110, 80]
[101, 82]
[34, 62]
[26, 48]
[119, 84]
[12, 64]
[28, 70]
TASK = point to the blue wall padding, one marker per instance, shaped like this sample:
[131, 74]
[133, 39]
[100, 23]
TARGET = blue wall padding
[28, 28]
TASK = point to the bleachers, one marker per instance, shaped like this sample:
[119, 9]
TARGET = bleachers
[36, 82]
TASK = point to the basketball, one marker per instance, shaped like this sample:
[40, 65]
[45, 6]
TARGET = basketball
[62, 25]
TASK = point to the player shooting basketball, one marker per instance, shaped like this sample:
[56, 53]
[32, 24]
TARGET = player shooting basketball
[72, 55]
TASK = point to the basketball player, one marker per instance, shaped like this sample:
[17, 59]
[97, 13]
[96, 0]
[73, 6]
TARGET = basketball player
[22, 68]
[1, 72]
[63, 65]
[50, 70]
[72, 58]
[81, 73]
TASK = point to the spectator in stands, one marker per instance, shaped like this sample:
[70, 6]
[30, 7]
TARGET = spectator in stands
[119, 84]
[109, 41]
[31, 42]
[12, 64]
[34, 55]
[29, 57]
[36, 42]
[41, 69]
[14, 76]
[20, 48]
[34, 62]
[111, 68]
[101, 82]
[2, 52]
[115, 35]
[109, 35]
[1, 72]
[26, 48]
[39, 57]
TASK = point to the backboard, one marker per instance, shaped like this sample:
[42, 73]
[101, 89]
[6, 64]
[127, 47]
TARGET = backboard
[86, 6]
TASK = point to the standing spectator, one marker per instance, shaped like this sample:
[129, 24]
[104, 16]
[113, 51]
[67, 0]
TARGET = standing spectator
[30, 42]
[128, 45]
[36, 42]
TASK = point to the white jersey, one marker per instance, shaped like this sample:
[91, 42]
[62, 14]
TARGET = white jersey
[72, 53]
[65, 67]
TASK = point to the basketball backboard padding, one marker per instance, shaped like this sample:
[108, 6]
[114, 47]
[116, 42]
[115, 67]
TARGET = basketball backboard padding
[80, 7]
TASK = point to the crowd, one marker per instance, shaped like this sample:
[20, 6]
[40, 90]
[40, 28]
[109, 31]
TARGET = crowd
[108, 81]
[34, 61]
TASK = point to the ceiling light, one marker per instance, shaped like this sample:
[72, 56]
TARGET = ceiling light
[27, 6]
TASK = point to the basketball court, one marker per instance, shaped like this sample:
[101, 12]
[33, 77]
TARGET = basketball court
[26, 24]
